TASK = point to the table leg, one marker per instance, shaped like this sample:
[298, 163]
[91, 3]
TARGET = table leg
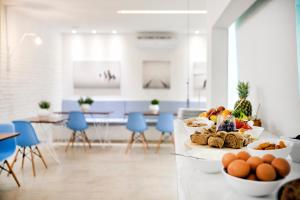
[96, 129]
[49, 144]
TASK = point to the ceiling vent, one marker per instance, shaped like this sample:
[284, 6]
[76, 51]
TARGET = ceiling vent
[156, 40]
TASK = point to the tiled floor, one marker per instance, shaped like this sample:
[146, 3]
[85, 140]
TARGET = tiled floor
[99, 173]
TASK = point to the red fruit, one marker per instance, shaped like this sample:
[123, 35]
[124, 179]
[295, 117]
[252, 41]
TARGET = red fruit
[210, 111]
[220, 109]
[239, 124]
[246, 126]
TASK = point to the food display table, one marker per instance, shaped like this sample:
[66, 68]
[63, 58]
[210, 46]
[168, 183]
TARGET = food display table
[193, 184]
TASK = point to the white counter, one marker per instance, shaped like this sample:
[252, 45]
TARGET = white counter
[195, 185]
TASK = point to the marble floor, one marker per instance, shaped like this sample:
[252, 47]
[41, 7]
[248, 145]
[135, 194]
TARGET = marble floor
[98, 173]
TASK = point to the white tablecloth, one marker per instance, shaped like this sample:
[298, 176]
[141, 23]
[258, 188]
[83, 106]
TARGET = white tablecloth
[196, 185]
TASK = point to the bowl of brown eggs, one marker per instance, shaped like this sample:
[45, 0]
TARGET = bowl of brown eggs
[254, 175]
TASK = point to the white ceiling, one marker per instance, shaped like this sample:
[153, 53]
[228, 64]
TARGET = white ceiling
[101, 14]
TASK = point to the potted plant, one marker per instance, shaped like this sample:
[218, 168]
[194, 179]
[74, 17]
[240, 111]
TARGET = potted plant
[154, 106]
[44, 108]
[85, 103]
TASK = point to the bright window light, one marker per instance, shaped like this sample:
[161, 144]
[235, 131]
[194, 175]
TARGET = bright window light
[232, 66]
[162, 12]
[94, 31]
[114, 32]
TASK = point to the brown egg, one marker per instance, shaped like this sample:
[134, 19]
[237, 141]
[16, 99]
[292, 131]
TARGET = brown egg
[243, 155]
[268, 158]
[254, 161]
[252, 177]
[228, 158]
[239, 168]
[265, 172]
[281, 166]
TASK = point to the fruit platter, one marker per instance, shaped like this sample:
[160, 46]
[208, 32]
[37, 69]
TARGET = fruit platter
[237, 120]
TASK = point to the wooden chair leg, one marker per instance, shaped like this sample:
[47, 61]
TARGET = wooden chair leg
[42, 157]
[83, 140]
[32, 161]
[144, 141]
[10, 170]
[87, 139]
[161, 139]
[15, 158]
[70, 140]
[23, 156]
[130, 142]
[73, 140]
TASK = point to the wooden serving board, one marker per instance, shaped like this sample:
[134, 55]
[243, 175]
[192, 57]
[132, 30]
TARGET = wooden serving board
[188, 143]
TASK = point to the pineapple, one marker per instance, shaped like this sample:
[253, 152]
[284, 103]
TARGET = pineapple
[243, 104]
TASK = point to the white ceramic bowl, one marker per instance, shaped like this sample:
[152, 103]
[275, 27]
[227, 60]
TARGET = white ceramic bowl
[190, 130]
[255, 132]
[295, 152]
[210, 164]
[283, 153]
[252, 188]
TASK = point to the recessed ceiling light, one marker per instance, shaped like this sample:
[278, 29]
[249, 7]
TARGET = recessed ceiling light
[114, 32]
[162, 11]
[94, 31]
[38, 41]
[197, 32]
[74, 31]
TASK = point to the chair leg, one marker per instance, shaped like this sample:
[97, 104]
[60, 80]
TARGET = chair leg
[83, 140]
[161, 139]
[73, 140]
[15, 159]
[147, 145]
[32, 161]
[70, 140]
[130, 142]
[10, 170]
[87, 139]
[23, 156]
[42, 157]
[144, 141]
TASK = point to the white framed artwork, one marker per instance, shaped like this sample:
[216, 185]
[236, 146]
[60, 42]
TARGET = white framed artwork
[156, 74]
[96, 74]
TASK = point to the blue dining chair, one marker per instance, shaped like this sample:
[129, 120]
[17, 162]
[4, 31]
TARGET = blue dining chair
[7, 149]
[136, 123]
[28, 144]
[164, 125]
[77, 123]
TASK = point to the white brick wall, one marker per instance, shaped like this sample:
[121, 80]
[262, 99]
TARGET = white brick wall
[34, 72]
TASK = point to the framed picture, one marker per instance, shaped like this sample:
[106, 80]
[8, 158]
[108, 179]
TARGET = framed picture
[96, 74]
[156, 74]
[199, 75]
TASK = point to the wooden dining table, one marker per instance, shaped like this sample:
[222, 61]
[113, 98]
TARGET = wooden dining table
[97, 118]
[46, 120]
[5, 136]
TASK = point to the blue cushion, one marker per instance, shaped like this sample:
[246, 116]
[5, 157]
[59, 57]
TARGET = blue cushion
[120, 107]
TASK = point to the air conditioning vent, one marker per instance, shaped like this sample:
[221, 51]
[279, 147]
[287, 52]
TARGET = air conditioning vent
[155, 36]
[156, 40]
